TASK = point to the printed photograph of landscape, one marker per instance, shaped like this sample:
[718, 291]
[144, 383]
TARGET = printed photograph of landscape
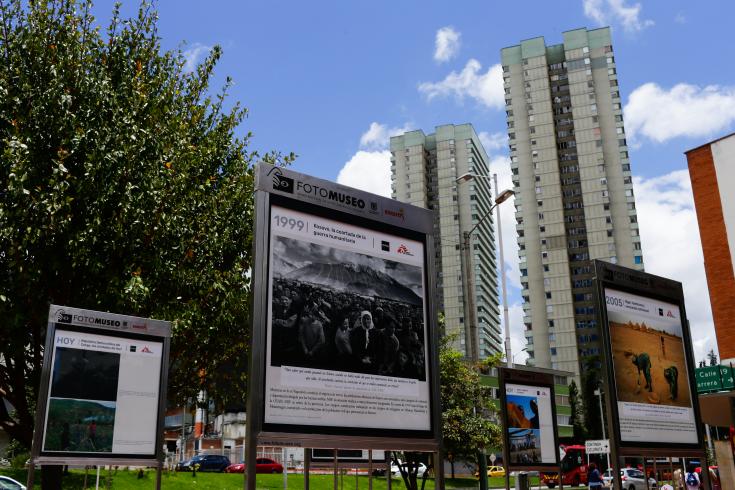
[649, 364]
[84, 426]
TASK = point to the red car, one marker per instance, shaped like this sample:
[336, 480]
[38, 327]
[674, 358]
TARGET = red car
[262, 465]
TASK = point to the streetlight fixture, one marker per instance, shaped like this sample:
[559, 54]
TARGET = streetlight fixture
[471, 335]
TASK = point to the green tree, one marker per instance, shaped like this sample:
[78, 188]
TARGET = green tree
[578, 426]
[123, 187]
[591, 381]
[712, 357]
[467, 410]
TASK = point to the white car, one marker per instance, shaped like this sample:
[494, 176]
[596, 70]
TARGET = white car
[7, 483]
[632, 479]
[396, 472]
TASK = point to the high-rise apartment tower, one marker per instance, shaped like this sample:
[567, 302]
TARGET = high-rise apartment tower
[574, 187]
[424, 172]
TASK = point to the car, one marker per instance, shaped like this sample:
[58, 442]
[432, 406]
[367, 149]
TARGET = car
[7, 483]
[205, 462]
[262, 465]
[632, 479]
[493, 471]
[419, 472]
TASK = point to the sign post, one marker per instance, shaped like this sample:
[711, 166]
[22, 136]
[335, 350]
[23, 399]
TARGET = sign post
[103, 390]
[597, 446]
[652, 405]
[344, 346]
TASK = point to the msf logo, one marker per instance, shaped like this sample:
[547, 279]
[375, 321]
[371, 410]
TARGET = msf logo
[280, 182]
[403, 250]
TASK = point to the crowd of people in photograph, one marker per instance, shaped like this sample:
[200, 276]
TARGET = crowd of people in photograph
[317, 327]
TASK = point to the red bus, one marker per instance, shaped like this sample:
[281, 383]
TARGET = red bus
[573, 468]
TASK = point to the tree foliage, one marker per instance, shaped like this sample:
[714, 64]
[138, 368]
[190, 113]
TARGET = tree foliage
[467, 410]
[591, 381]
[123, 187]
[577, 418]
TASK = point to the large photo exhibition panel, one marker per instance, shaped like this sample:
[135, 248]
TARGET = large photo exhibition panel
[103, 396]
[649, 370]
[346, 335]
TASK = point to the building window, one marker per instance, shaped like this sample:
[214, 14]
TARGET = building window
[551, 323]
[638, 259]
[546, 267]
[548, 294]
[553, 351]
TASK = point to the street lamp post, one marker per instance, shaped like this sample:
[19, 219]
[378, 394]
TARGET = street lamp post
[471, 334]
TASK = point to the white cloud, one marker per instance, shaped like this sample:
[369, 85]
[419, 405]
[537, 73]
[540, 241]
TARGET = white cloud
[493, 141]
[369, 171]
[447, 44]
[672, 248]
[486, 88]
[193, 55]
[377, 137]
[605, 12]
[680, 18]
[684, 110]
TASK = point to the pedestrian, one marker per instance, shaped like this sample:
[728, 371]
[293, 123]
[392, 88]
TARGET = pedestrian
[691, 479]
[593, 477]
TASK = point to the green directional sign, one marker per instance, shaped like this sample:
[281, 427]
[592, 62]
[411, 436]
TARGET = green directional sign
[714, 378]
[708, 379]
[727, 378]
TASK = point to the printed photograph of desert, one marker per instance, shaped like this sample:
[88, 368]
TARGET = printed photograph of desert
[649, 365]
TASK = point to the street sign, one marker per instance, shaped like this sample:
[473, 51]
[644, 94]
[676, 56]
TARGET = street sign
[597, 446]
[708, 379]
[493, 458]
[714, 378]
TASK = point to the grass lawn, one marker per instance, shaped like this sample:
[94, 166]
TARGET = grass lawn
[124, 480]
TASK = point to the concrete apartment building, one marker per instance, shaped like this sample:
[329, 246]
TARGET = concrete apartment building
[573, 183]
[424, 172]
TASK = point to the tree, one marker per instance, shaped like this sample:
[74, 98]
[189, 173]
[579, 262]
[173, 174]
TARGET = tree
[124, 188]
[578, 426]
[467, 410]
[591, 381]
[712, 357]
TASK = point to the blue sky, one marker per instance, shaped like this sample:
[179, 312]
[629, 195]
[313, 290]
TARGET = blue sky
[331, 81]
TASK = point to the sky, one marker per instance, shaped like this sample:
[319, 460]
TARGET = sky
[332, 80]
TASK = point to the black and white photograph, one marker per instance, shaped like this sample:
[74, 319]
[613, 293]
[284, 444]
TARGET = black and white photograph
[339, 310]
[85, 374]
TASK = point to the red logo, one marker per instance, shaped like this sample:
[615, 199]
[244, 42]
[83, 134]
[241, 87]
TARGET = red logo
[404, 250]
[395, 214]
[140, 327]
[146, 350]
[669, 314]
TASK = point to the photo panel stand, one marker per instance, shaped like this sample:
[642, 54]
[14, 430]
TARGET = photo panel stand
[650, 310]
[308, 230]
[528, 405]
[94, 363]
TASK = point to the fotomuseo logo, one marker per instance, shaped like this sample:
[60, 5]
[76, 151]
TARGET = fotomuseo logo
[280, 181]
[404, 250]
[385, 246]
[660, 312]
[373, 207]
[133, 348]
[63, 317]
